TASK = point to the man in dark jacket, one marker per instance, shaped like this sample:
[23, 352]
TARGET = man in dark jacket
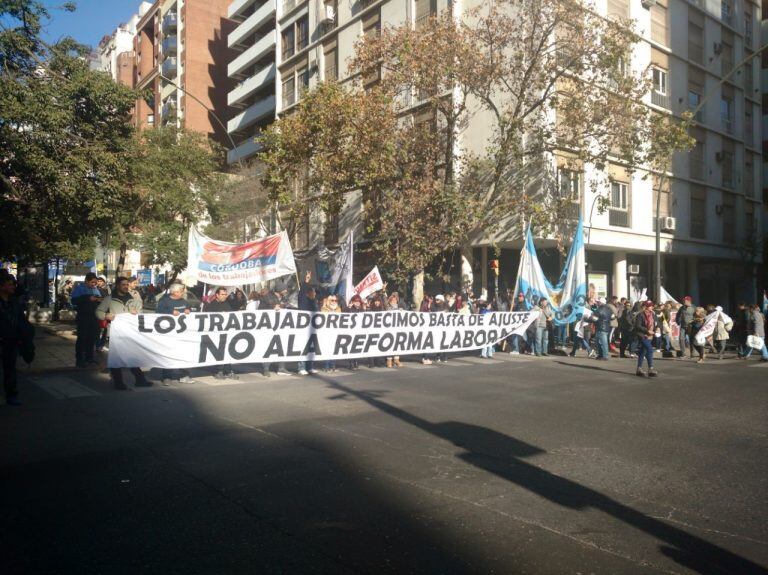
[86, 297]
[174, 303]
[15, 332]
[307, 302]
[603, 318]
[684, 319]
[221, 304]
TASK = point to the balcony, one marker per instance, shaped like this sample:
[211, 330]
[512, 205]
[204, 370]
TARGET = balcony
[239, 65]
[170, 45]
[237, 7]
[662, 100]
[241, 36]
[250, 116]
[249, 86]
[170, 22]
[244, 150]
[168, 109]
[169, 68]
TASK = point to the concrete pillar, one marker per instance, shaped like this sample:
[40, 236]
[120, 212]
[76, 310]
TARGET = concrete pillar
[692, 266]
[620, 288]
[467, 275]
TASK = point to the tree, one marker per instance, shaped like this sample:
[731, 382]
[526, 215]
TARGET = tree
[173, 182]
[64, 130]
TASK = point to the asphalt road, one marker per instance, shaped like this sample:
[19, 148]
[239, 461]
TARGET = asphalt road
[516, 465]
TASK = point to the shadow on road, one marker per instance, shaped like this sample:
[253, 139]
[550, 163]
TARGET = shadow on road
[502, 455]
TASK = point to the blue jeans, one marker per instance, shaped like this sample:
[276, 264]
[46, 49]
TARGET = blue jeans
[602, 344]
[577, 339]
[559, 333]
[306, 365]
[763, 352]
[487, 352]
[644, 350]
[542, 341]
[514, 342]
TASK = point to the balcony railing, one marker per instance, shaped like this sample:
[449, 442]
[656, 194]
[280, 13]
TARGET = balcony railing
[289, 97]
[169, 67]
[170, 22]
[618, 217]
[170, 45]
[659, 99]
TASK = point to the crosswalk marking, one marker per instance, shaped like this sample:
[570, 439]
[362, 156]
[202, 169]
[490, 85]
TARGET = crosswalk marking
[63, 387]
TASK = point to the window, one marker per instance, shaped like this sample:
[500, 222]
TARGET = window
[618, 213]
[697, 156]
[726, 159]
[659, 26]
[696, 84]
[331, 70]
[726, 57]
[289, 42]
[424, 9]
[289, 91]
[302, 82]
[694, 99]
[696, 36]
[726, 112]
[372, 27]
[747, 24]
[302, 33]
[698, 212]
[569, 188]
[748, 127]
[749, 177]
[728, 212]
[659, 95]
[665, 208]
[618, 9]
[726, 11]
[749, 84]
[750, 229]
[331, 235]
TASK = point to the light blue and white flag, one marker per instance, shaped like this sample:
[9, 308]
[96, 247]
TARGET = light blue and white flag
[568, 297]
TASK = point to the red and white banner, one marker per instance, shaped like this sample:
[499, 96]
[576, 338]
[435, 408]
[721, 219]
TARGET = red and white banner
[228, 264]
[370, 284]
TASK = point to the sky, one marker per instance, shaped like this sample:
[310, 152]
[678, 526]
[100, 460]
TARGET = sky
[92, 19]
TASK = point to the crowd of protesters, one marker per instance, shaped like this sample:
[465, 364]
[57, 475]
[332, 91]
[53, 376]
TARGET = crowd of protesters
[608, 328]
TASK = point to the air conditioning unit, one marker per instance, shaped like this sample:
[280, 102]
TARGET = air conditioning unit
[718, 48]
[329, 15]
[648, 3]
[633, 269]
[668, 224]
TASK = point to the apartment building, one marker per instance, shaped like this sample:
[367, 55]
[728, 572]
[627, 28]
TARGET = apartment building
[711, 206]
[181, 56]
[116, 49]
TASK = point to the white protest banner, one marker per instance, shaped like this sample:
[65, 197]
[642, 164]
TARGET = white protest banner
[226, 264]
[370, 284]
[198, 339]
[710, 322]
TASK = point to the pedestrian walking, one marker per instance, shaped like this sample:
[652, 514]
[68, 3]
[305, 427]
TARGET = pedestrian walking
[119, 302]
[16, 337]
[699, 318]
[756, 335]
[722, 331]
[603, 317]
[646, 325]
[684, 319]
[581, 333]
[86, 297]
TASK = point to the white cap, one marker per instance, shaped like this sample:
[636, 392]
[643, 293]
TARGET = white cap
[439, 297]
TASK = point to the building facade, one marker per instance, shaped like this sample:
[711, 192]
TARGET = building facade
[711, 206]
[181, 57]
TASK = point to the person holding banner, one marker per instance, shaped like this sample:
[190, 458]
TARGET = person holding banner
[722, 331]
[355, 306]
[221, 304]
[307, 302]
[581, 335]
[330, 305]
[695, 326]
[173, 303]
[756, 333]
[393, 304]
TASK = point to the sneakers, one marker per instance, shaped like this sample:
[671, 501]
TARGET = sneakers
[302, 372]
[13, 401]
[640, 373]
[313, 371]
[219, 375]
[426, 361]
[283, 373]
[572, 354]
[267, 373]
[186, 379]
[653, 373]
[592, 354]
[514, 353]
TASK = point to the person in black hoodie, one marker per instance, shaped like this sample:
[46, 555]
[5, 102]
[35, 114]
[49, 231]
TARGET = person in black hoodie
[86, 297]
[16, 335]
[307, 302]
[221, 304]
